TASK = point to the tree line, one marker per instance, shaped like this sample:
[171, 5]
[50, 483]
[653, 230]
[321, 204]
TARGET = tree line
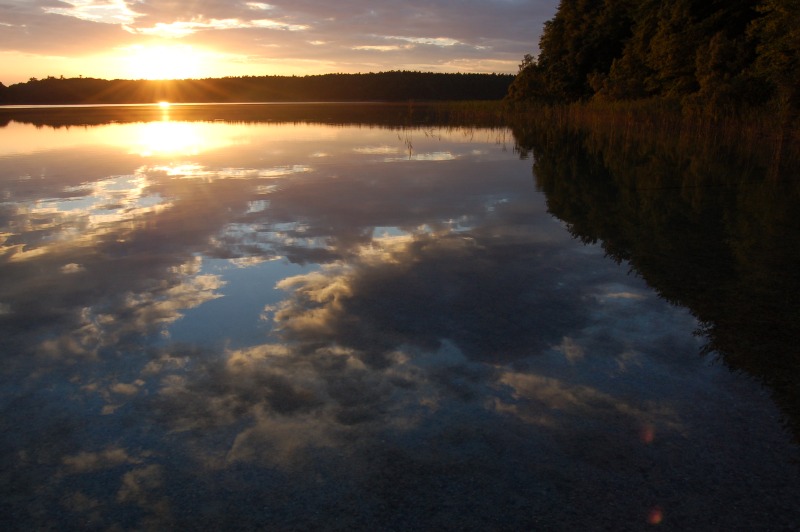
[717, 53]
[383, 86]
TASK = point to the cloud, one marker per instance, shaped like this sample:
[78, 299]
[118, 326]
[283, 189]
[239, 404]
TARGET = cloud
[85, 462]
[548, 401]
[108, 12]
[143, 487]
[72, 268]
[435, 41]
[184, 28]
[343, 358]
[453, 281]
[401, 333]
[259, 6]
[283, 401]
[572, 351]
[138, 484]
[92, 218]
[30, 28]
[359, 36]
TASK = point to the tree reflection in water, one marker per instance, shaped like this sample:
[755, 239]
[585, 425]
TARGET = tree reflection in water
[710, 229]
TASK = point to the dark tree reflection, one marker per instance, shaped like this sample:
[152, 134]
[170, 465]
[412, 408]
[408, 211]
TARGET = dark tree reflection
[710, 230]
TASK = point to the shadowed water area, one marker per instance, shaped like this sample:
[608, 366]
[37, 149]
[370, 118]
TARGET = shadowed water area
[343, 317]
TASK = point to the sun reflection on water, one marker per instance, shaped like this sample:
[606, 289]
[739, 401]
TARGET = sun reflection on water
[170, 138]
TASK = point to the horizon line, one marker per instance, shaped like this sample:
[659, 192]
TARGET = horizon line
[63, 78]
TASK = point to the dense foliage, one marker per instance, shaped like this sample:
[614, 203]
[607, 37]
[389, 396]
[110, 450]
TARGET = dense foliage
[384, 86]
[712, 52]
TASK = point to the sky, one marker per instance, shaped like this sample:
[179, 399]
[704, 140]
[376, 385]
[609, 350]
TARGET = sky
[149, 39]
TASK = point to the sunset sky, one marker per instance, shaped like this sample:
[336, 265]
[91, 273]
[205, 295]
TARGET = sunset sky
[134, 39]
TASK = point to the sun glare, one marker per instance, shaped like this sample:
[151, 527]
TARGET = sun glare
[168, 138]
[166, 62]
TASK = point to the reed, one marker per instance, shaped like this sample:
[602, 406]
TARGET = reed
[766, 134]
[482, 113]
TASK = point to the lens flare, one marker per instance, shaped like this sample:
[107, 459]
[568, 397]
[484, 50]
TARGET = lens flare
[655, 516]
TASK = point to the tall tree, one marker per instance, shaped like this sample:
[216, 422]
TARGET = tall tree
[629, 74]
[778, 62]
[582, 39]
[672, 50]
[688, 50]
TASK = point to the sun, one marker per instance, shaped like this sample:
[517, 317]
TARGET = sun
[168, 61]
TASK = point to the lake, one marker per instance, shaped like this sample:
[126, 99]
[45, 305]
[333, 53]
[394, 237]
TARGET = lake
[324, 317]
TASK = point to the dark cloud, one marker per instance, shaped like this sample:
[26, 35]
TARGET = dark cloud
[494, 299]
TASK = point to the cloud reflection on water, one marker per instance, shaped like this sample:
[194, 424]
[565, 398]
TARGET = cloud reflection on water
[444, 336]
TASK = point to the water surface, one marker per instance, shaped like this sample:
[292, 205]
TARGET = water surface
[221, 317]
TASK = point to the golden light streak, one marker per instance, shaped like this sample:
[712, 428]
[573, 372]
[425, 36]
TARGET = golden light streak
[167, 61]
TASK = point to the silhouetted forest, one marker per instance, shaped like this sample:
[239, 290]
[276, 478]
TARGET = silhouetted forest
[383, 86]
[714, 53]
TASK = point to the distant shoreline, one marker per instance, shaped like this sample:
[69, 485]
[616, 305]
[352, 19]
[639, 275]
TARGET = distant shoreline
[383, 87]
[189, 104]
[389, 114]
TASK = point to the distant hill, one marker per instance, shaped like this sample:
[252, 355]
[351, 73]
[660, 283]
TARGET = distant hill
[383, 86]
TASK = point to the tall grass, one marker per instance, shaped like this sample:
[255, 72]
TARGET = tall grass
[765, 134]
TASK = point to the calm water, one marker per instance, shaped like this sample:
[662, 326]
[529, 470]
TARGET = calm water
[283, 318]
